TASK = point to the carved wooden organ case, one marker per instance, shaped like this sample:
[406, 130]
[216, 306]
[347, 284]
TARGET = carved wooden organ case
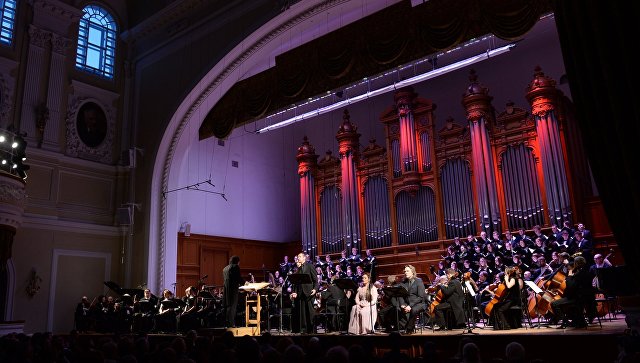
[498, 171]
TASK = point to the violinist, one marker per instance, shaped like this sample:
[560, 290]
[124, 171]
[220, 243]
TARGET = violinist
[452, 298]
[484, 290]
[579, 295]
[555, 262]
[510, 297]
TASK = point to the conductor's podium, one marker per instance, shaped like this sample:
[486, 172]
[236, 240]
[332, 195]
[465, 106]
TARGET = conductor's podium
[252, 302]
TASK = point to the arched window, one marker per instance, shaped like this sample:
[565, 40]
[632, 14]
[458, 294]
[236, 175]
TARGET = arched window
[8, 13]
[96, 42]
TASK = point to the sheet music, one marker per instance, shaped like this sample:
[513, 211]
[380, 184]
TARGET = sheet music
[533, 287]
[470, 288]
[254, 286]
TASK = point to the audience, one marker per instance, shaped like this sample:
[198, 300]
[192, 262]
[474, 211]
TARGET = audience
[45, 347]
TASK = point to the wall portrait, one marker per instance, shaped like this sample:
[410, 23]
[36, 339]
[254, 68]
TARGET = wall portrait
[91, 123]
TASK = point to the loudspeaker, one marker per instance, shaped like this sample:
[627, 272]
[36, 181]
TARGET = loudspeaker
[123, 216]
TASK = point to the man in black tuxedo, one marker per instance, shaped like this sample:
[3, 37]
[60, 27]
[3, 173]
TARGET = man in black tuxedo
[232, 281]
[414, 303]
[452, 298]
[302, 296]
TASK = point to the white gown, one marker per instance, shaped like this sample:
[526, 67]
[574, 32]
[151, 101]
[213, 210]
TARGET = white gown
[364, 313]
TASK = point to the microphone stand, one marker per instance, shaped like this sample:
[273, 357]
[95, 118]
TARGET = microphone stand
[371, 305]
[284, 284]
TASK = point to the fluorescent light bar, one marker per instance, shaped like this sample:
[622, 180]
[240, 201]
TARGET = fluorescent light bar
[404, 83]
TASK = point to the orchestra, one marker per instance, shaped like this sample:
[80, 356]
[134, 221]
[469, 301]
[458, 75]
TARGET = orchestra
[477, 277]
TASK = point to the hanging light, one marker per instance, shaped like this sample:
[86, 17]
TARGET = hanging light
[397, 85]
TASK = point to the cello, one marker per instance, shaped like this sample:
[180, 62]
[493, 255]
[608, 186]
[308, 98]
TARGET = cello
[499, 294]
[553, 289]
[436, 300]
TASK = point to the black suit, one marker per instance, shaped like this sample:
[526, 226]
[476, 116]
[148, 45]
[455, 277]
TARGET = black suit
[415, 299]
[232, 281]
[452, 297]
[303, 304]
[578, 295]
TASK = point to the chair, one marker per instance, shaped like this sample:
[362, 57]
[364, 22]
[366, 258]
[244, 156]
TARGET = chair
[520, 311]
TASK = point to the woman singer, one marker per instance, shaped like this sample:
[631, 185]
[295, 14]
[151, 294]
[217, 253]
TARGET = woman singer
[364, 312]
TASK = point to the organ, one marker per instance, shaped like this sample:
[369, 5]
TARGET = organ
[497, 171]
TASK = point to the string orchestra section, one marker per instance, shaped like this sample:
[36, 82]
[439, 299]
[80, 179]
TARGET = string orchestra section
[501, 282]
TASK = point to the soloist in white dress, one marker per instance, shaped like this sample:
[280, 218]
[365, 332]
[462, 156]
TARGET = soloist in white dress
[364, 313]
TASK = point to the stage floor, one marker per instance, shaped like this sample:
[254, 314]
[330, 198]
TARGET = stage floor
[614, 326]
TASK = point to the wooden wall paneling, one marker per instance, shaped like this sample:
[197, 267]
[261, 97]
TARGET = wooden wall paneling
[212, 261]
[200, 255]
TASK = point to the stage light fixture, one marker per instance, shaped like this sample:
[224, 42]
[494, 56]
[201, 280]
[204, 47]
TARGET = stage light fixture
[397, 85]
[14, 154]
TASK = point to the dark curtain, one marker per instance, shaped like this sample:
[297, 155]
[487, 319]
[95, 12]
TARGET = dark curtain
[597, 40]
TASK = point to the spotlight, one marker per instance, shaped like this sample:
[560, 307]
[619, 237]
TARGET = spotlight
[2, 138]
[14, 145]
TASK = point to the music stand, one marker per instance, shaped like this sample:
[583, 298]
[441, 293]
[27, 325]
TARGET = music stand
[468, 311]
[300, 279]
[396, 291]
[344, 285]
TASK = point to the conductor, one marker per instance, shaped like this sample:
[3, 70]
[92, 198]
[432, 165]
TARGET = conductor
[232, 281]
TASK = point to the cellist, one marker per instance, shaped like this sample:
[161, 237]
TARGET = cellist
[578, 295]
[511, 297]
[453, 298]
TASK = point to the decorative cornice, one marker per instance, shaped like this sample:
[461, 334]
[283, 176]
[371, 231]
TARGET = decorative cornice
[161, 19]
[58, 9]
[60, 44]
[6, 101]
[39, 37]
[12, 200]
